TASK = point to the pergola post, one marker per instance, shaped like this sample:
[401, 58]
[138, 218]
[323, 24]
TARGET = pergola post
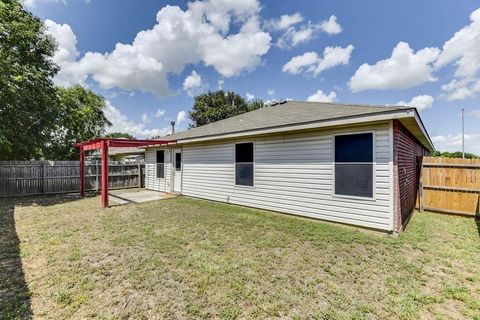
[104, 147]
[82, 172]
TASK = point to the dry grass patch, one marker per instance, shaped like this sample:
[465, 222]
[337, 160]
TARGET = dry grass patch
[187, 258]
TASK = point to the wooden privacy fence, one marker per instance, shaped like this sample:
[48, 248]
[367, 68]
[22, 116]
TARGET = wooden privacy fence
[450, 185]
[50, 177]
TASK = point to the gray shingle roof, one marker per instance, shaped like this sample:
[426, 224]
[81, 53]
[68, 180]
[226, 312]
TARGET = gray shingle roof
[287, 113]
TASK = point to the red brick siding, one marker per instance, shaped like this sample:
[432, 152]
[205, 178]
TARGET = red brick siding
[406, 153]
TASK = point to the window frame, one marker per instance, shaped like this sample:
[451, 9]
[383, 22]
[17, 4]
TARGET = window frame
[235, 165]
[374, 165]
[157, 163]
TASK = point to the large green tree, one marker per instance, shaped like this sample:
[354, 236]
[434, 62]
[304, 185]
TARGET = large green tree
[80, 118]
[28, 101]
[213, 106]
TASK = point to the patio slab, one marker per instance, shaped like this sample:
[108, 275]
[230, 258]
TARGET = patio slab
[129, 196]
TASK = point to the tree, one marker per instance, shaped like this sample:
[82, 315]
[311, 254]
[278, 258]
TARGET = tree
[80, 118]
[456, 154]
[214, 106]
[28, 100]
[123, 135]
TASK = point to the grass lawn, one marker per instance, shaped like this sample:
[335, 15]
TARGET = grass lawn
[61, 257]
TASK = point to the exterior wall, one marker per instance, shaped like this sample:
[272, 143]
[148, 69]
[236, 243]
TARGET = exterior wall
[293, 173]
[407, 152]
[151, 180]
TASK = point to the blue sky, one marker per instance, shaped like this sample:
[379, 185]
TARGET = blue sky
[148, 58]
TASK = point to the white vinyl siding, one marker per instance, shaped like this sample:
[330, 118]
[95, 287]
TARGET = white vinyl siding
[293, 174]
[151, 180]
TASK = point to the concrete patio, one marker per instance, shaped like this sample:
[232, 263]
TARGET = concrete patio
[137, 196]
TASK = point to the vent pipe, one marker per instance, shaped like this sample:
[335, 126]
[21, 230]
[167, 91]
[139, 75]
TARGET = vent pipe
[173, 126]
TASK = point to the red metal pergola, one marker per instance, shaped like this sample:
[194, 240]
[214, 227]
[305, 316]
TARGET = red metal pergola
[104, 144]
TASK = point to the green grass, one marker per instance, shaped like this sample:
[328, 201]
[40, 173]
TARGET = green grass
[62, 257]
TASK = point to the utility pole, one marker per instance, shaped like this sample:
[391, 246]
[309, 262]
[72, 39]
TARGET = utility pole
[463, 134]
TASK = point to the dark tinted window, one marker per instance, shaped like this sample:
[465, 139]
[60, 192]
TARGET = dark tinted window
[244, 152]
[160, 156]
[244, 164]
[178, 161]
[354, 148]
[354, 165]
[161, 164]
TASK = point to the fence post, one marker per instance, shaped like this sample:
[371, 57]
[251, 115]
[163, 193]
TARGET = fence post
[43, 177]
[139, 176]
[96, 175]
[420, 186]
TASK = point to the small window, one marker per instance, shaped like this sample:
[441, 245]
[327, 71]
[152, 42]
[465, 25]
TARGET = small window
[244, 164]
[161, 164]
[178, 161]
[354, 165]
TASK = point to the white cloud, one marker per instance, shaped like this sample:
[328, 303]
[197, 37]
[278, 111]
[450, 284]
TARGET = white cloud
[66, 54]
[420, 102]
[404, 69]
[331, 25]
[146, 118]
[121, 123]
[271, 92]
[463, 49]
[250, 96]
[310, 62]
[284, 22]
[181, 117]
[220, 84]
[304, 33]
[462, 89]
[192, 83]
[454, 143]
[320, 96]
[198, 34]
[160, 113]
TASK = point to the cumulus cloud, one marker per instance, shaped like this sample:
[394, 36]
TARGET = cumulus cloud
[192, 83]
[420, 102]
[284, 22]
[249, 96]
[295, 34]
[181, 117]
[66, 54]
[200, 34]
[463, 49]
[310, 62]
[331, 26]
[320, 96]
[454, 142]
[121, 123]
[404, 69]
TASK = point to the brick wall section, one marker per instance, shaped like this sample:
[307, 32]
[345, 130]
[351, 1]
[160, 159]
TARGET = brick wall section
[406, 153]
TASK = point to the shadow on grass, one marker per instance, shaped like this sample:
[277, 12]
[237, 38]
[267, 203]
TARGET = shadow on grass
[14, 291]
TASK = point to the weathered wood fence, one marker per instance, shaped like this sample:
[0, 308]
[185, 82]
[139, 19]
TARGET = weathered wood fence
[49, 177]
[450, 185]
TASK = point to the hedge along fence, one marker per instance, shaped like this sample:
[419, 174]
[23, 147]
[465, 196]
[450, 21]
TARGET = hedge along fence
[450, 185]
[21, 178]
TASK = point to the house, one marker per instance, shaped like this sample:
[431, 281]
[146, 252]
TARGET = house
[130, 154]
[352, 164]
